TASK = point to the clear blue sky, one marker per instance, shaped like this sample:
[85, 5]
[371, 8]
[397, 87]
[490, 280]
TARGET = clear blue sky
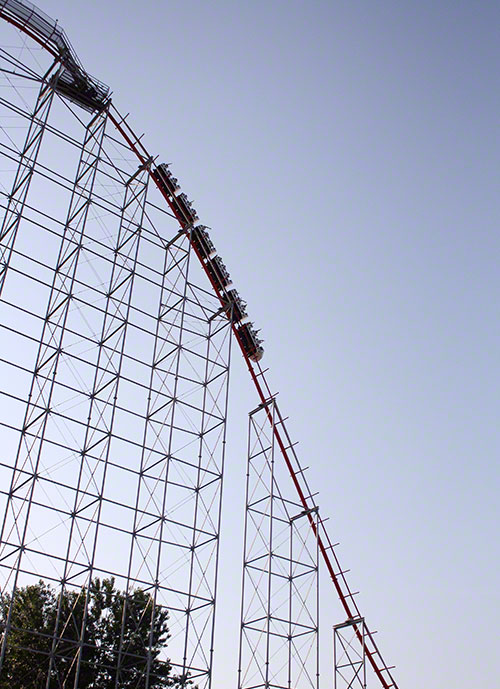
[346, 155]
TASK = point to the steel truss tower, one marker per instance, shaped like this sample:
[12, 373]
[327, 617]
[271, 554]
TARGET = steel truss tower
[349, 658]
[280, 604]
[118, 318]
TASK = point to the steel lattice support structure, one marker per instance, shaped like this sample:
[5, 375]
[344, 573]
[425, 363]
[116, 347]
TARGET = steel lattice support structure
[114, 407]
[28, 155]
[39, 408]
[175, 535]
[349, 658]
[89, 498]
[117, 317]
[279, 638]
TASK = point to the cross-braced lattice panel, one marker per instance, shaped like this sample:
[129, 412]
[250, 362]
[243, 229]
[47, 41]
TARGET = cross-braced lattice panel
[174, 549]
[279, 625]
[113, 401]
[25, 70]
[349, 660]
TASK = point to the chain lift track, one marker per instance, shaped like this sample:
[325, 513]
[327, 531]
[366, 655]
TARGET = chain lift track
[76, 85]
[283, 440]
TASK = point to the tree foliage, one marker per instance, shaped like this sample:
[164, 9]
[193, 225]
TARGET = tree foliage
[86, 634]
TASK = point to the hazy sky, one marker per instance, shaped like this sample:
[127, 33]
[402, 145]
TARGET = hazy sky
[346, 156]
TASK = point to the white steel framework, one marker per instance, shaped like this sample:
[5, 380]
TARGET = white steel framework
[117, 317]
[279, 638]
[114, 398]
[349, 657]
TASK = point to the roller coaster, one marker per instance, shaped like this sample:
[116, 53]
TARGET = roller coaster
[192, 322]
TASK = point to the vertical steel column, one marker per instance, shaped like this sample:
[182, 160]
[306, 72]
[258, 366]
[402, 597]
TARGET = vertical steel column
[27, 161]
[90, 483]
[150, 509]
[38, 410]
[270, 544]
[175, 535]
[279, 633]
[349, 658]
[204, 547]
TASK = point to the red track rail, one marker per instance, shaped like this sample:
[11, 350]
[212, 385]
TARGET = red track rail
[329, 556]
[337, 575]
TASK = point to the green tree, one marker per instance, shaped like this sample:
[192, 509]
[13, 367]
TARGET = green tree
[45, 638]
